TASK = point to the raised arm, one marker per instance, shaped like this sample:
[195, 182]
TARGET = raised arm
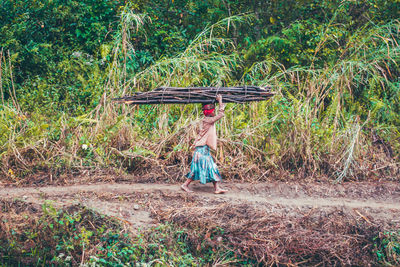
[221, 109]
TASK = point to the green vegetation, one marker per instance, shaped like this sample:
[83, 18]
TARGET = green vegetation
[333, 65]
[387, 248]
[74, 235]
[78, 235]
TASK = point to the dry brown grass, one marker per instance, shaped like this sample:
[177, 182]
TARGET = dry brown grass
[280, 237]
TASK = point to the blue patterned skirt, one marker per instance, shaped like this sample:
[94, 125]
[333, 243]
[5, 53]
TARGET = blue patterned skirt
[203, 167]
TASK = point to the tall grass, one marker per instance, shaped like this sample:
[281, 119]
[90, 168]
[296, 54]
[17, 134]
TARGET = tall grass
[322, 122]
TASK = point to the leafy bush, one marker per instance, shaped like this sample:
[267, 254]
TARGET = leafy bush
[387, 248]
[77, 235]
[336, 82]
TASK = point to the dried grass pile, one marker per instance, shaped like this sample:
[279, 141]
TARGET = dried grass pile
[314, 237]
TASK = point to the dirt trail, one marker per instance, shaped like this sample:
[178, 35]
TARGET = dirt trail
[131, 203]
[240, 192]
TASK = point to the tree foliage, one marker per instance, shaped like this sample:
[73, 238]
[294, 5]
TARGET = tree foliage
[333, 64]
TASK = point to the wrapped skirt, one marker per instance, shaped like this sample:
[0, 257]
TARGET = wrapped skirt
[203, 167]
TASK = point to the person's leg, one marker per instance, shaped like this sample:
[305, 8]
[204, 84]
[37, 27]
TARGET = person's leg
[185, 186]
[218, 189]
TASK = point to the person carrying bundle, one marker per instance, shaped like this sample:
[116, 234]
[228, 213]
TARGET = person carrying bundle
[203, 167]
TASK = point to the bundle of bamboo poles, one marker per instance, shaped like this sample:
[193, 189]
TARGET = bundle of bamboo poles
[204, 95]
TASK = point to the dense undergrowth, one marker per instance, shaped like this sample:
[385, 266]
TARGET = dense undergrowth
[33, 235]
[46, 236]
[333, 66]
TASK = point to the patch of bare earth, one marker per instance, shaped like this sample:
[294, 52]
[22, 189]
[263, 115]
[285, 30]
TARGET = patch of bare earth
[275, 223]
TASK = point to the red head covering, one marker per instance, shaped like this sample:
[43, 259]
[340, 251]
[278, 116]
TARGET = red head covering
[208, 112]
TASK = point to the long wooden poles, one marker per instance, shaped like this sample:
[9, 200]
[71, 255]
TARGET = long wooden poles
[205, 95]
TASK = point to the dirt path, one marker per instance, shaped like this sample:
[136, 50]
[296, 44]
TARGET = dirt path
[240, 192]
[132, 202]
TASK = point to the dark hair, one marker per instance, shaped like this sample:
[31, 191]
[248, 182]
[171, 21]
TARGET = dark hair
[208, 106]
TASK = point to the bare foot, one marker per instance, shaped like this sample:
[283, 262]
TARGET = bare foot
[220, 191]
[186, 188]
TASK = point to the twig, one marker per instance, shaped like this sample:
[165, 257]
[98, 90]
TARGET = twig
[362, 216]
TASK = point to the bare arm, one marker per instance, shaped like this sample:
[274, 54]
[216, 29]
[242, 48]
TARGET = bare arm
[221, 110]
